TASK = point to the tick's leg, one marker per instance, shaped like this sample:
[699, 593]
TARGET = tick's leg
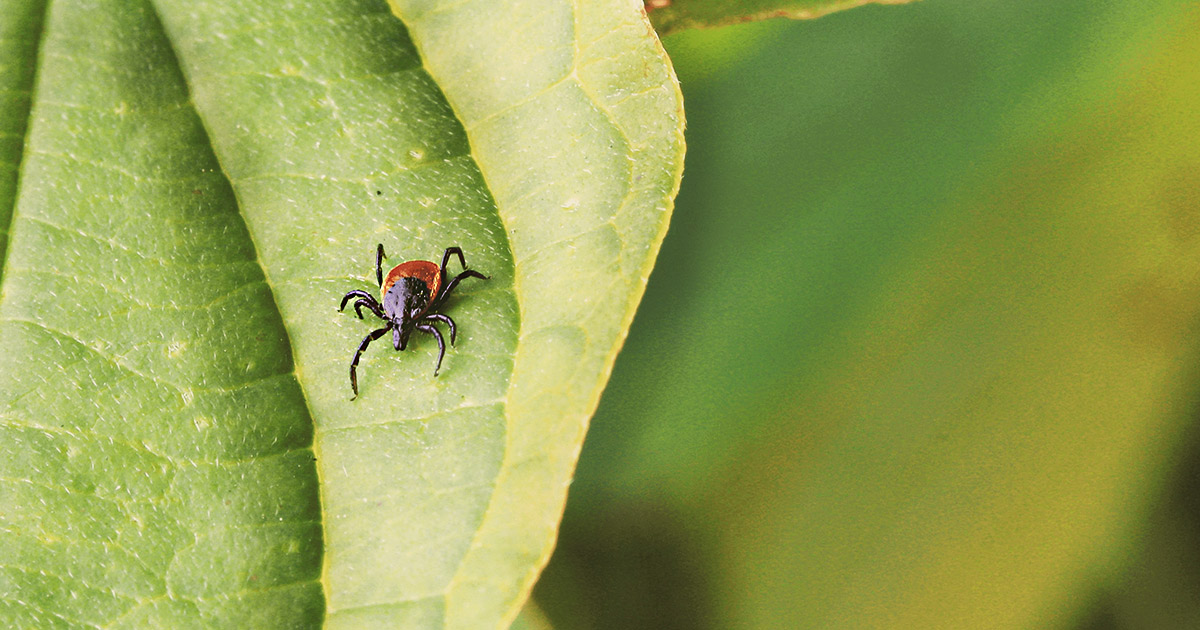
[470, 273]
[372, 336]
[357, 293]
[441, 343]
[450, 251]
[438, 317]
[371, 304]
[379, 265]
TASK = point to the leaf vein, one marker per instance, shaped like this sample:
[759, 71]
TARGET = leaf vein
[100, 353]
[65, 579]
[270, 25]
[422, 418]
[49, 612]
[127, 173]
[36, 39]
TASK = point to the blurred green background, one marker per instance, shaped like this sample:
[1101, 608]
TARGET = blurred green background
[920, 350]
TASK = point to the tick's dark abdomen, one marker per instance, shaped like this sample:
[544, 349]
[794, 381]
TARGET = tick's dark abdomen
[406, 298]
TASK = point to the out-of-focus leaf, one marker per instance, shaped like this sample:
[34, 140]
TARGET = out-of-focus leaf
[927, 338]
[203, 182]
[669, 16]
[979, 452]
[1161, 586]
[531, 618]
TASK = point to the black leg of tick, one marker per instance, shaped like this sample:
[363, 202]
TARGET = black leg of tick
[370, 304]
[356, 294]
[441, 343]
[470, 273]
[372, 336]
[438, 317]
[379, 265]
[450, 251]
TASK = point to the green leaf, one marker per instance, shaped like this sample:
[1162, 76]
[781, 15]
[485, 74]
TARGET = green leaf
[202, 182]
[669, 16]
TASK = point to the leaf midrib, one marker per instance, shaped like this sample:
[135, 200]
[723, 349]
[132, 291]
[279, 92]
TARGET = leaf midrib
[271, 285]
[314, 444]
[37, 41]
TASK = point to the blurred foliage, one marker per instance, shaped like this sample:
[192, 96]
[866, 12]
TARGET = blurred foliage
[669, 16]
[1161, 588]
[920, 347]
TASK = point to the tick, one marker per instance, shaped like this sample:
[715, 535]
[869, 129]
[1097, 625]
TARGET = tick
[412, 293]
